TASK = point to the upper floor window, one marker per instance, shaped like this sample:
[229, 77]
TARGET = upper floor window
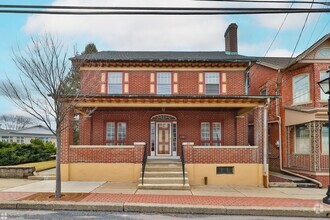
[263, 91]
[211, 134]
[115, 83]
[323, 75]
[164, 83]
[302, 139]
[324, 53]
[325, 139]
[301, 89]
[212, 83]
[115, 133]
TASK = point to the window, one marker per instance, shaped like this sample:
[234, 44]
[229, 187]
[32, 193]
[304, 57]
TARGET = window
[302, 140]
[301, 89]
[225, 170]
[325, 139]
[209, 138]
[115, 133]
[20, 140]
[5, 139]
[43, 139]
[212, 86]
[164, 83]
[263, 91]
[115, 83]
[323, 75]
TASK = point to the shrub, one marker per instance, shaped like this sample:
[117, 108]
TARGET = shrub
[37, 151]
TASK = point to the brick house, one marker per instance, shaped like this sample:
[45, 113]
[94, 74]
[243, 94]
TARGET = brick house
[297, 123]
[171, 104]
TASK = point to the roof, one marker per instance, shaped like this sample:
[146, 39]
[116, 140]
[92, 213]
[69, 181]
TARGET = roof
[286, 62]
[274, 62]
[190, 56]
[33, 130]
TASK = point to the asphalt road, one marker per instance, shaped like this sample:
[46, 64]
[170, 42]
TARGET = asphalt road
[83, 215]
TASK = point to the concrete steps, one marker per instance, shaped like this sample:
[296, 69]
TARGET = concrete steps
[164, 174]
[289, 181]
[42, 177]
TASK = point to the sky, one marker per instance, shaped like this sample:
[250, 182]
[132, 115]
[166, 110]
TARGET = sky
[151, 32]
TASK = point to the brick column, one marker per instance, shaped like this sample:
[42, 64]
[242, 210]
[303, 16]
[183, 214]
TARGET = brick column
[188, 152]
[241, 128]
[85, 130]
[66, 136]
[139, 151]
[258, 131]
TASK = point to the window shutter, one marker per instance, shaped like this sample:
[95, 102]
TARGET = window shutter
[126, 76]
[223, 83]
[175, 83]
[103, 82]
[201, 83]
[152, 83]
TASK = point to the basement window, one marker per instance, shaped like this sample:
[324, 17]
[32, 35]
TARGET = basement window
[225, 170]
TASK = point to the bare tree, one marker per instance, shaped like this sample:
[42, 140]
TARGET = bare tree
[15, 122]
[45, 80]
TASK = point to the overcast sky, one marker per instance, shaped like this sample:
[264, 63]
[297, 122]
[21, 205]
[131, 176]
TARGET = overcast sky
[193, 33]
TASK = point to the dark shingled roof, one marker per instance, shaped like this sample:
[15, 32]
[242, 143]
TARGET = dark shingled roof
[201, 56]
[278, 62]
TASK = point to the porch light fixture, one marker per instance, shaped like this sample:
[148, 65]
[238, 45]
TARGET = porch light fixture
[325, 86]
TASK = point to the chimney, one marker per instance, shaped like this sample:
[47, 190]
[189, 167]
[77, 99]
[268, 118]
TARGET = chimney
[231, 39]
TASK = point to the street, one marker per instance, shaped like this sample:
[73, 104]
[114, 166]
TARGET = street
[46, 214]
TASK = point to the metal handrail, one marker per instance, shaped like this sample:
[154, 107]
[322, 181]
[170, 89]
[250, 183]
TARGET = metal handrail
[183, 165]
[144, 161]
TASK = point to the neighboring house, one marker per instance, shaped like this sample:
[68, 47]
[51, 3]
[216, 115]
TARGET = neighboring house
[26, 134]
[301, 113]
[171, 103]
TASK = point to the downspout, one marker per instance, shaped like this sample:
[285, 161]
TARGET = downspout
[247, 71]
[280, 142]
[265, 144]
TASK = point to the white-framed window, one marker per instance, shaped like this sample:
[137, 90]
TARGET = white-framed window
[115, 83]
[43, 139]
[302, 139]
[301, 89]
[325, 139]
[209, 138]
[263, 91]
[164, 83]
[20, 140]
[115, 133]
[212, 83]
[5, 138]
[323, 75]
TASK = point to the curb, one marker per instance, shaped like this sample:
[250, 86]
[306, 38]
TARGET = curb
[168, 208]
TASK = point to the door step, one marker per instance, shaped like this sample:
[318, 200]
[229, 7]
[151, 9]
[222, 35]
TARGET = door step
[164, 186]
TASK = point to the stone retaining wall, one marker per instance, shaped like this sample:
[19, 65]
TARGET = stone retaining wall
[16, 172]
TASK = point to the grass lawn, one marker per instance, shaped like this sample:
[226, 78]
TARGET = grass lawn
[40, 165]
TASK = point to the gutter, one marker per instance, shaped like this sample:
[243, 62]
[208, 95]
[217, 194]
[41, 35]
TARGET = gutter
[246, 73]
[279, 121]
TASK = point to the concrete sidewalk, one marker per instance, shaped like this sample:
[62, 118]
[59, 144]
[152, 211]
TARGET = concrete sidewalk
[109, 196]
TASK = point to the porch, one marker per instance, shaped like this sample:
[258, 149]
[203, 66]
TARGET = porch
[212, 135]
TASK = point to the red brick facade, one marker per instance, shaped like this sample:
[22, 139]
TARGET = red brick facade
[281, 80]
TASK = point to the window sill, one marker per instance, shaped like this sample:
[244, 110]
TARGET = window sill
[302, 103]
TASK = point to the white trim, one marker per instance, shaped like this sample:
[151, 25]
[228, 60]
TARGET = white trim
[102, 146]
[226, 147]
[139, 143]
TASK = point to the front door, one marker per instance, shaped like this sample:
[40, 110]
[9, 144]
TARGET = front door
[163, 138]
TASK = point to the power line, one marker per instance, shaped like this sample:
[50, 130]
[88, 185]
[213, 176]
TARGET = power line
[271, 1]
[174, 12]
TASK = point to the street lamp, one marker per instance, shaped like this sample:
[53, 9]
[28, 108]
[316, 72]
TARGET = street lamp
[325, 86]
